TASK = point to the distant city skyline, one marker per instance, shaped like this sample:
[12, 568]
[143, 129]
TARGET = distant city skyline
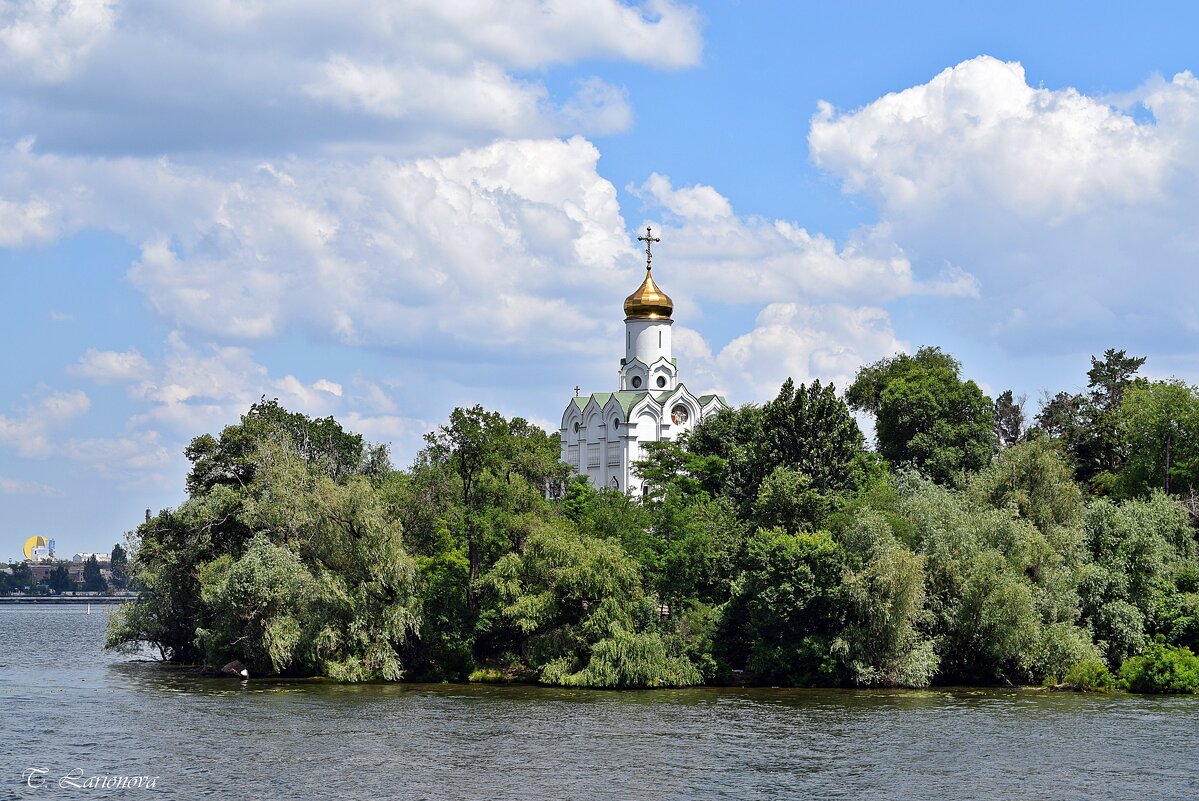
[378, 211]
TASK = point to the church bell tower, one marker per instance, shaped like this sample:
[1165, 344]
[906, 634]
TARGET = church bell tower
[647, 365]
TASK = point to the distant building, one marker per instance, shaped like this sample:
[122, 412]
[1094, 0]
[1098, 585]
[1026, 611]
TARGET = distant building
[83, 557]
[43, 571]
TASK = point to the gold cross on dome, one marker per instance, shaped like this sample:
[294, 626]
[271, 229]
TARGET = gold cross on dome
[648, 239]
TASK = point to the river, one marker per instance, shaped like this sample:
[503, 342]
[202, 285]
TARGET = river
[71, 709]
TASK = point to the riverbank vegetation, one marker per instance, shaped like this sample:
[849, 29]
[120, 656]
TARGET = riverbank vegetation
[773, 547]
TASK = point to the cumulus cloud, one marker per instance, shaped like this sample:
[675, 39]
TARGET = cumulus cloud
[186, 391]
[45, 39]
[478, 253]
[204, 389]
[1073, 212]
[718, 254]
[489, 246]
[827, 342]
[30, 430]
[108, 366]
[405, 75]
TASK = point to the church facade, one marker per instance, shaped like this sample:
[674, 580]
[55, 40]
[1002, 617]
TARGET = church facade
[602, 433]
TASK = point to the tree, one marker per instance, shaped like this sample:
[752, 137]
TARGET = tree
[321, 442]
[784, 611]
[1009, 419]
[60, 579]
[805, 430]
[810, 430]
[579, 601]
[119, 566]
[926, 416]
[1034, 480]
[1157, 426]
[284, 556]
[1087, 423]
[503, 467]
[22, 577]
[736, 436]
[881, 643]
[93, 579]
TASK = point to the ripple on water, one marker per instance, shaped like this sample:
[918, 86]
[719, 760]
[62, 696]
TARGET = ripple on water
[69, 704]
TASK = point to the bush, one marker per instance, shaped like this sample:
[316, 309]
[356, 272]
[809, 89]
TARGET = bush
[624, 661]
[488, 675]
[1090, 676]
[1161, 669]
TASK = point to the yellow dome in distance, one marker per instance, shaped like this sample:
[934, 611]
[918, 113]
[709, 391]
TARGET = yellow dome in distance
[648, 302]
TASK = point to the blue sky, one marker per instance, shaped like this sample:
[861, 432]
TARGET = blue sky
[381, 210]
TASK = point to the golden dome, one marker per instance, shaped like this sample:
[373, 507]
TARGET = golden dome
[648, 302]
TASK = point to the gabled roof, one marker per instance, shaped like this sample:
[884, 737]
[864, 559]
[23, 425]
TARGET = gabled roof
[628, 399]
[704, 400]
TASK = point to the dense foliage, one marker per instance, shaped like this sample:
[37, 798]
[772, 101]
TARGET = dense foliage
[773, 545]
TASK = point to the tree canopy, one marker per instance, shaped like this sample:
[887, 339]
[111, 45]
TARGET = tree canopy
[772, 547]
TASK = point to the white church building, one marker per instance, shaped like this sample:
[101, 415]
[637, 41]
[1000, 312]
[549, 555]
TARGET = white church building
[602, 432]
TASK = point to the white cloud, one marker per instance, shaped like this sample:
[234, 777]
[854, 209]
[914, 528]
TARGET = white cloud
[828, 342]
[45, 39]
[26, 223]
[490, 246]
[1074, 214]
[716, 254]
[107, 366]
[132, 458]
[396, 75]
[44, 412]
[15, 486]
[196, 390]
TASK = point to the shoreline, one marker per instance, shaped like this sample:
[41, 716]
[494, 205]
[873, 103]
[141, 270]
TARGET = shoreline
[53, 600]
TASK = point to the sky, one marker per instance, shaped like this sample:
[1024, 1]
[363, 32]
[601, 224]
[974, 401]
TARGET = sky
[383, 209]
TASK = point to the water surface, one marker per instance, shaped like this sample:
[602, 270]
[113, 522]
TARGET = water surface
[67, 705]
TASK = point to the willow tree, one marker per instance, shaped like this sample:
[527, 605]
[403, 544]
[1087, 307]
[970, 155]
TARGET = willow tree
[296, 567]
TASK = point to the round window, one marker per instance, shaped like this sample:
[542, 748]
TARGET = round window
[661, 381]
[679, 415]
[576, 426]
[636, 382]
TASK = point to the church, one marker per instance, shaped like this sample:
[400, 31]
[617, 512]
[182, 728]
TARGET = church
[602, 432]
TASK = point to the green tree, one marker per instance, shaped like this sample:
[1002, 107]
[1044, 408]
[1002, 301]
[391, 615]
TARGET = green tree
[1157, 426]
[1009, 419]
[1161, 669]
[60, 579]
[1087, 423]
[882, 642]
[294, 567]
[811, 431]
[736, 437]
[119, 565]
[321, 442]
[503, 468]
[1034, 481]
[785, 610]
[579, 602]
[93, 579]
[925, 415]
